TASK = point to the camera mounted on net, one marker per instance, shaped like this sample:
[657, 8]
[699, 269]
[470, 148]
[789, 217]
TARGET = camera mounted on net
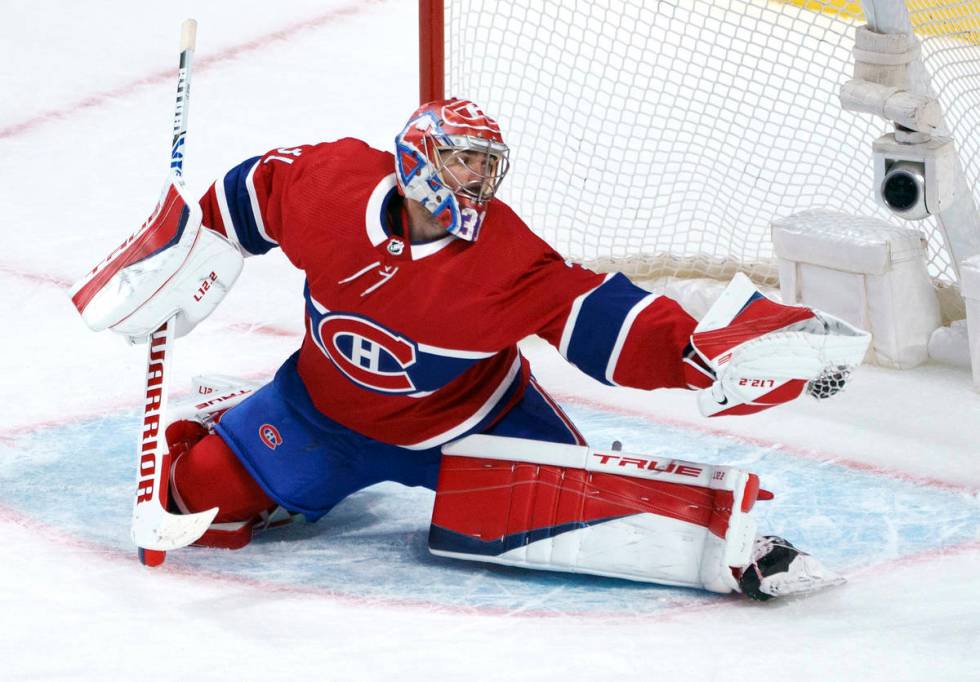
[914, 179]
[915, 167]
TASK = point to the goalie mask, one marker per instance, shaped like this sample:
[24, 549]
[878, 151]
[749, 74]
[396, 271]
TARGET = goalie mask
[451, 158]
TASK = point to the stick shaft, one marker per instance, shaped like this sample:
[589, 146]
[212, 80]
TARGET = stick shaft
[156, 457]
[153, 466]
[188, 40]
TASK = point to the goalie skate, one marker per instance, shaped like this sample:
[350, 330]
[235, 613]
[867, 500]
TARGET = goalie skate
[778, 569]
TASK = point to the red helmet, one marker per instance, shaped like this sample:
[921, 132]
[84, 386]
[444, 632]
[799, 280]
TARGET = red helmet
[451, 158]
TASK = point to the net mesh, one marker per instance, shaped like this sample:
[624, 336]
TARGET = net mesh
[662, 138]
[830, 382]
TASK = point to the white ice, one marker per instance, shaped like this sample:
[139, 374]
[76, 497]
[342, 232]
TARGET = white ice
[84, 140]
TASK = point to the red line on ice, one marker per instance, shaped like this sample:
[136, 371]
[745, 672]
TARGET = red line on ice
[39, 278]
[237, 327]
[922, 557]
[264, 330]
[804, 453]
[678, 607]
[99, 99]
[55, 535]
[10, 434]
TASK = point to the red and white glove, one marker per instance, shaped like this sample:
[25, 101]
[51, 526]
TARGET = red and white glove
[171, 267]
[763, 353]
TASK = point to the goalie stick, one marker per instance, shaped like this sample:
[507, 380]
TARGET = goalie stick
[154, 529]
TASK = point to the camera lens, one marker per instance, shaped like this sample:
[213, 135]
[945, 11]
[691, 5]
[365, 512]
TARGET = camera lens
[901, 191]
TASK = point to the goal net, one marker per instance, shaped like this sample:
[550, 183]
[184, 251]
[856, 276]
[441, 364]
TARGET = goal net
[662, 138]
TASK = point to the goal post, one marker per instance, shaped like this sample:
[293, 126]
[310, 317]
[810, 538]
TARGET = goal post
[431, 51]
[662, 139]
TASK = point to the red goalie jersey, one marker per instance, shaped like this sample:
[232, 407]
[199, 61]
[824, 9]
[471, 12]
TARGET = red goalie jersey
[415, 344]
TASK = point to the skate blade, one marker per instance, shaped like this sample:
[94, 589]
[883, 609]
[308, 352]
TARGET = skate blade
[805, 575]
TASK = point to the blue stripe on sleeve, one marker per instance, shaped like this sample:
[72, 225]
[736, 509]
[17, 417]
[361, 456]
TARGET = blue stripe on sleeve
[240, 208]
[600, 318]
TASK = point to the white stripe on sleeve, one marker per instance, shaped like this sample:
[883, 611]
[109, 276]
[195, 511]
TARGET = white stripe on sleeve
[230, 230]
[254, 199]
[566, 334]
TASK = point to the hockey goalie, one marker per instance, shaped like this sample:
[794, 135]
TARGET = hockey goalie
[419, 284]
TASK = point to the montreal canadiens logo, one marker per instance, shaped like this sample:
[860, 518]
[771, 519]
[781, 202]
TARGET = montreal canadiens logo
[367, 353]
[466, 114]
[396, 247]
[270, 436]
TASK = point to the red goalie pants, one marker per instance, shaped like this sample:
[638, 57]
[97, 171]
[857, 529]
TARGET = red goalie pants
[206, 474]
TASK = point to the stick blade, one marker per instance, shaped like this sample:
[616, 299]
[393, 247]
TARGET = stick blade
[154, 528]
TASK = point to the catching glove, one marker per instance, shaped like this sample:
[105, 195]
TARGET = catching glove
[763, 353]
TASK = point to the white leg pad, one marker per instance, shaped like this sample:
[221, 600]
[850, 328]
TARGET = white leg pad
[513, 502]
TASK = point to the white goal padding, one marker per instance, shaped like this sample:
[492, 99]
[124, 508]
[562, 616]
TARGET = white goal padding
[866, 271]
[970, 269]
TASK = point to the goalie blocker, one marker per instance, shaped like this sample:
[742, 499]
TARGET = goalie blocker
[172, 267]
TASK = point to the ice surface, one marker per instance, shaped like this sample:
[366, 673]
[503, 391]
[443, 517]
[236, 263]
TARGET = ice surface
[882, 482]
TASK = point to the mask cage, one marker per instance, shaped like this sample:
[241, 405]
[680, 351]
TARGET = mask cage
[489, 172]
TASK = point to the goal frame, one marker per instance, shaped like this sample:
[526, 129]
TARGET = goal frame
[432, 56]
[958, 225]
